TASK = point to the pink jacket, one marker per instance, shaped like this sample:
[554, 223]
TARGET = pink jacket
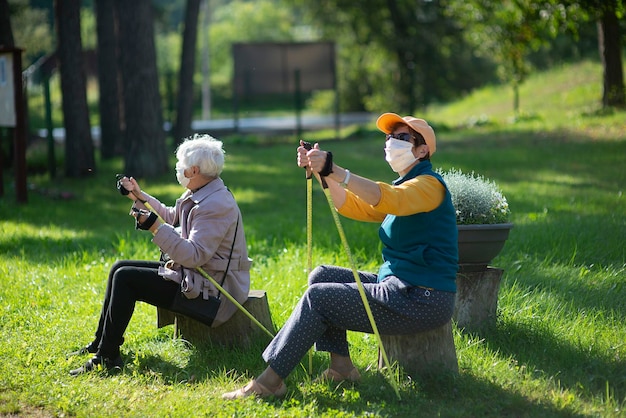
[206, 221]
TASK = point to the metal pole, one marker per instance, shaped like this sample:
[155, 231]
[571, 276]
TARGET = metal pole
[309, 239]
[20, 129]
[48, 105]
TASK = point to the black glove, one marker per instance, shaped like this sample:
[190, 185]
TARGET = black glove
[121, 188]
[328, 165]
[147, 224]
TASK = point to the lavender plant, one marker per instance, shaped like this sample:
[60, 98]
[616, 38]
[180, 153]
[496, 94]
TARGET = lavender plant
[477, 200]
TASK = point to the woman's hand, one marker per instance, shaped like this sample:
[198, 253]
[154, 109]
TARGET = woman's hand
[146, 220]
[133, 188]
[302, 159]
[313, 159]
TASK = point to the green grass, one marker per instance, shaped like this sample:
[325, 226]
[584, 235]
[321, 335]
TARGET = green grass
[558, 348]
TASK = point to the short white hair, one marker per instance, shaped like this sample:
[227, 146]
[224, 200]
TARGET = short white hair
[204, 151]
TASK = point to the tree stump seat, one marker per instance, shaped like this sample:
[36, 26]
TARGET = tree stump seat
[238, 331]
[422, 353]
[434, 351]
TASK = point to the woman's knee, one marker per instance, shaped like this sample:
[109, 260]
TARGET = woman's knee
[115, 268]
[122, 274]
[321, 295]
[117, 265]
[323, 274]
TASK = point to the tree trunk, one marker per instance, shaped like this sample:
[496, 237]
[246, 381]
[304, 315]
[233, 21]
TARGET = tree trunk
[611, 55]
[6, 34]
[145, 150]
[184, 113]
[206, 60]
[108, 80]
[79, 150]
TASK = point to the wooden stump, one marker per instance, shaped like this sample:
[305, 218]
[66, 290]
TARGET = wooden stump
[477, 297]
[422, 353]
[238, 331]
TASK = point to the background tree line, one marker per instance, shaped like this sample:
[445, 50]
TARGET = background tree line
[163, 60]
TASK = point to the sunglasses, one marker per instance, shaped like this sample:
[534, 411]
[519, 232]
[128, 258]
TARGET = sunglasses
[401, 136]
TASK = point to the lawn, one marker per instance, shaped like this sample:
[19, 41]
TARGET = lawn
[557, 348]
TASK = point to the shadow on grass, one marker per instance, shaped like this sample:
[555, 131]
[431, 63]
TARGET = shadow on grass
[441, 395]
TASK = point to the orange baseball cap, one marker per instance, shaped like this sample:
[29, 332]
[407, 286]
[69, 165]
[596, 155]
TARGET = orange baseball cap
[386, 121]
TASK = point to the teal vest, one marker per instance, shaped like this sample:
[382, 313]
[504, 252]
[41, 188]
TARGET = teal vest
[422, 249]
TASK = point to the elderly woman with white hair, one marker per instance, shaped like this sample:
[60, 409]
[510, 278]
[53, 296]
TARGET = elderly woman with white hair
[203, 230]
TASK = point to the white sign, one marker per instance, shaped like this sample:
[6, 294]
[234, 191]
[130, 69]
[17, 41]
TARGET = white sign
[7, 91]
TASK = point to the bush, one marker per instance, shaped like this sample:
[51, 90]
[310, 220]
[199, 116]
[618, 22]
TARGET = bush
[477, 200]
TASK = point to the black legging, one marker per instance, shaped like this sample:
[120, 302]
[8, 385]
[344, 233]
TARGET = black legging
[129, 281]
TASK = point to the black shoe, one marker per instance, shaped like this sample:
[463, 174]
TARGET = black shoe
[115, 364]
[93, 349]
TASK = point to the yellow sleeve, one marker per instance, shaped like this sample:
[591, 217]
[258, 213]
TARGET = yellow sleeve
[420, 194]
[357, 209]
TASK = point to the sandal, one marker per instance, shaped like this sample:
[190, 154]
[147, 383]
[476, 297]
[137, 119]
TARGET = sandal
[333, 375]
[254, 388]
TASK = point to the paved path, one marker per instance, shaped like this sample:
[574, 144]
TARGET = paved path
[282, 123]
[254, 125]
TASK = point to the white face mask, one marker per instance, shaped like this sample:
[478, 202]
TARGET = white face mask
[180, 176]
[399, 154]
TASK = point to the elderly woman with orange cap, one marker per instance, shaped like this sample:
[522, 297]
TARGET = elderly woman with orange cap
[414, 288]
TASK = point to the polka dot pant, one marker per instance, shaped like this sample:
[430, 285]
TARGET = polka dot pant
[332, 305]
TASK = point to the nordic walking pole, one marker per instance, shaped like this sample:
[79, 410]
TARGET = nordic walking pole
[309, 235]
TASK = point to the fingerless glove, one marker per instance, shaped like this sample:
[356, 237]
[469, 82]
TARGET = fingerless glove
[328, 165]
[147, 224]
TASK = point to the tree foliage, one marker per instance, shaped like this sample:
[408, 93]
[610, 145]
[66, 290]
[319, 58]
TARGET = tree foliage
[510, 30]
[32, 29]
[506, 31]
[396, 54]
[244, 21]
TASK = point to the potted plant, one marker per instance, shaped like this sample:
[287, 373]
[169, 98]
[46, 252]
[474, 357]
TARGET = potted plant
[482, 215]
